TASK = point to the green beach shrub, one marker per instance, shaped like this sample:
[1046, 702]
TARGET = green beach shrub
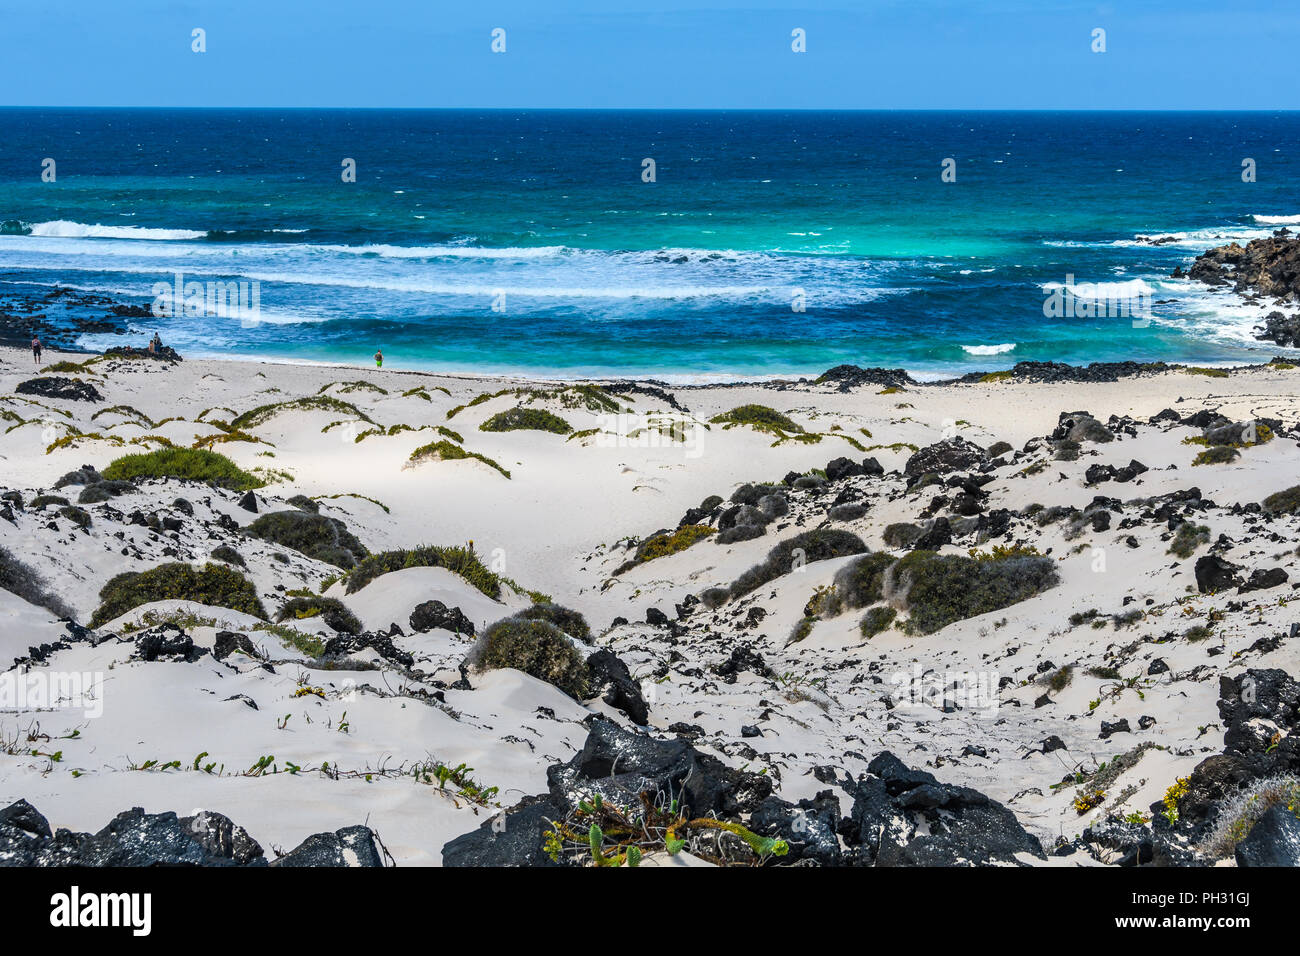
[1216, 455]
[937, 590]
[877, 619]
[530, 419]
[212, 585]
[312, 403]
[224, 552]
[195, 464]
[538, 648]
[902, 534]
[760, 417]
[1188, 538]
[569, 621]
[330, 610]
[317, 536]
[662, 545]
[820, 544]
[444, 450]
[860, 583]
[457, 559]
[21, 579]
[1286, 501]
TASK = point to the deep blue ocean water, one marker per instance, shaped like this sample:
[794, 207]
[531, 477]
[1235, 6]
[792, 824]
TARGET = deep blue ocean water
[504, 241]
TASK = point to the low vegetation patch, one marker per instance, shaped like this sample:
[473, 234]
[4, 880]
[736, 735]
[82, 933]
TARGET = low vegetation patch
[1283, 502]
[818, 545]
[317, 536]
[195, 464]
[1216, 455]
[456, 559]
[330, 610]
[669, 542]
[569, 621]
[444, 450]
[758, 417]
[212, 584]
[536, 647]
[1188, 538]
[938, 590]
[529, 419]
[876, 620]
[26, 582]
[312, 403]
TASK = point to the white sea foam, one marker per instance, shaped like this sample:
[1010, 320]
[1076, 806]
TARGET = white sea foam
[385, 251]
[66, 229]
[988, 349]
[1277, 220]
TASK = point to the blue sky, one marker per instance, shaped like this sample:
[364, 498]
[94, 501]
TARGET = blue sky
[862, 54]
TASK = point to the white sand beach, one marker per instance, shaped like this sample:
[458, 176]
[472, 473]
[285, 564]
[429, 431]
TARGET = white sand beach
[571, 513]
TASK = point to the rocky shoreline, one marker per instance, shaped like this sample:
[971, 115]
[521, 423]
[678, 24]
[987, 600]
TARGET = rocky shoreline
[1263, 269]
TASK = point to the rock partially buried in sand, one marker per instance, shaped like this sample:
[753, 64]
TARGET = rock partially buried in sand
[58, 386]
[136, 838]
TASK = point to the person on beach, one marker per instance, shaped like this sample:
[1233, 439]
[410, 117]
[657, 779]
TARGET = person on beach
[379, 359]
[36, 348]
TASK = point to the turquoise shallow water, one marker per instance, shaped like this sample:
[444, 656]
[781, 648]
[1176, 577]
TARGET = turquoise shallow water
[528, 241]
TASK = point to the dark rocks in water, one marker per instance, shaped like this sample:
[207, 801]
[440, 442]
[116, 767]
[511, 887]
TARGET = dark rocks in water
[1280, 329]
[1264, 267]
[945, 457]
[353, 846]
[164, 354]
[1274, 840]
[609, 678]
[849, 377]
[59, 386]
[434, 614]
[1261, 579]
[1214, 574]
[905, 817]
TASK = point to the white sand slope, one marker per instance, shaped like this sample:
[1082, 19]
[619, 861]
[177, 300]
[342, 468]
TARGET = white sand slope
[347, 740]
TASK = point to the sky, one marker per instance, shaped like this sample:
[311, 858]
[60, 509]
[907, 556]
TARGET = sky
[656, 54]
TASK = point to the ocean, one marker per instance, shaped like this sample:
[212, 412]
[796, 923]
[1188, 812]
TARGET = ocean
[766, 244]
